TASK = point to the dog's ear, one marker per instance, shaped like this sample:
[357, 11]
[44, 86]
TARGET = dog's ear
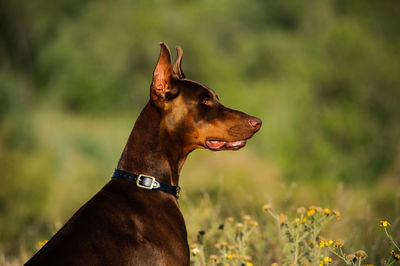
[161, 87]
[177, 65]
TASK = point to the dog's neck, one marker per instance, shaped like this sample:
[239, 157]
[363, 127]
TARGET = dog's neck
[150, 150]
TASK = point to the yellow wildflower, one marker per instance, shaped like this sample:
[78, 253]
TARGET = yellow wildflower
[327, 211]
[338, 243]
[42, 243]
[249, 264]
[310, 212]
[325, 243]
[302, 220]
[384, 224]
[282, 219]
[327, 260]
[395, 255]
[231, 256]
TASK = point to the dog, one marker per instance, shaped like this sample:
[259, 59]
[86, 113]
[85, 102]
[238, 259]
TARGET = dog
[135, 218]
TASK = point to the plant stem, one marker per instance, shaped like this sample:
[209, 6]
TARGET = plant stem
[337, 254]
[391, 239]
[390, 263]
[296, 250]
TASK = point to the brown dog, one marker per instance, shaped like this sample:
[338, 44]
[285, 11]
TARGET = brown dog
[135, 218]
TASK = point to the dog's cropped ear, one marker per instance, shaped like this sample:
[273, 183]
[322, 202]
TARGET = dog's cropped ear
[177, 65]
[161, 87]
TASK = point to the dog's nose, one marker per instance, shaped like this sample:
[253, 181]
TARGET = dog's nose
[255, 123]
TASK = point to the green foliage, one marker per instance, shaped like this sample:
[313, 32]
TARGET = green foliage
[6, 97]
[25, 181]
[322, 75]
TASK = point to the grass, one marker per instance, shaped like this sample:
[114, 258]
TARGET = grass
[222, 199]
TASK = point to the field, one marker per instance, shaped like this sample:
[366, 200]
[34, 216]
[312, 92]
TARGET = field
[222, 192]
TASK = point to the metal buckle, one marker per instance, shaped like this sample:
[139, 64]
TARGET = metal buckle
[178, 192]
[143, 186]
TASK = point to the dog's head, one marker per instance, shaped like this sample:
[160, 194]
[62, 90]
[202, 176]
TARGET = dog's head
[193, 111]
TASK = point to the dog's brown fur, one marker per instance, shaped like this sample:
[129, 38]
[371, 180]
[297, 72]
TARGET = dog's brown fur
[127, 225]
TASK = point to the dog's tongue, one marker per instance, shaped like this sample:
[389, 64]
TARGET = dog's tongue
[215, 144]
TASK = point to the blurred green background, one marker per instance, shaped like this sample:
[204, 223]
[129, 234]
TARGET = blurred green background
[324, 76]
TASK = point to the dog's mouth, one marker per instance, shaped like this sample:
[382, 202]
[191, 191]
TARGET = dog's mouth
[217, 145]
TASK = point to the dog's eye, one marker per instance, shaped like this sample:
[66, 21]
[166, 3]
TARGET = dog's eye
[207, 102]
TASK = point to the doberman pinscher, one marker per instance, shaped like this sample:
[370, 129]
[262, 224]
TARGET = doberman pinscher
[135, 218]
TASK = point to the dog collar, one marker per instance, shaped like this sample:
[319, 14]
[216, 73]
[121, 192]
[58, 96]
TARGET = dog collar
[147, 182]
